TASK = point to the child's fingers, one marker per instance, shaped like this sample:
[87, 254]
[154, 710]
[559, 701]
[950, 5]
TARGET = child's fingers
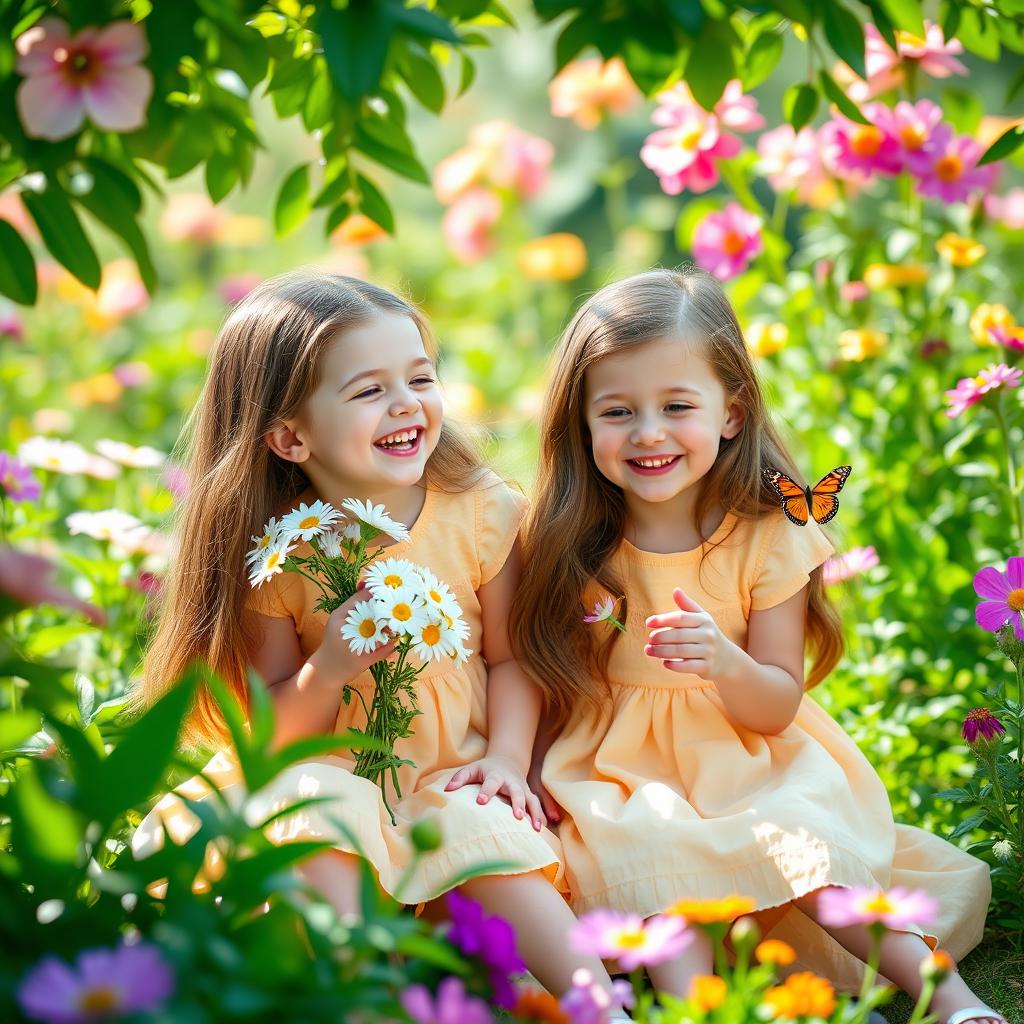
[677, 620]
[688, 666]
[465, 776]
[673, 636]
[517, 797]
[536, 811]
[674, 651]
[490, 786]
[550, 807]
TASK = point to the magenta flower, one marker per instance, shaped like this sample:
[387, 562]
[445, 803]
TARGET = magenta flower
[849, 563]
[1003, 595]
[94, 72]
[971, 390]
[17, 480]
[467, 223]
[951, 172]
[862, 149]
[725, 242]
[11, 325]
[587, 1003]
[630, 939]
[102, 985]
[133, 374]
[1011, 339]
[452, 1005]
[913, 125]
[235, 288]
[981, 726]
[897, 908]
[491, 940]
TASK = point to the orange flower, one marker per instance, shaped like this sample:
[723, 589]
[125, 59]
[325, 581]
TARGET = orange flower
[891, 275]
[357, 229]
[774, 951]
[586, 90]
[860, 343]
[708, 991]
[559, 257]
[713, 911]
[958, 250]
[937, 965]
[103, 389]
[802, 995]
[539, 1006]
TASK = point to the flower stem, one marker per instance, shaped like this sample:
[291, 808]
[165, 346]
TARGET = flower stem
[1011, 472]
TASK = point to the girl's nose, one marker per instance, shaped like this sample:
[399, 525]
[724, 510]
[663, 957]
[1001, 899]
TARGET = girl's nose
[647, 430]
[405, 401]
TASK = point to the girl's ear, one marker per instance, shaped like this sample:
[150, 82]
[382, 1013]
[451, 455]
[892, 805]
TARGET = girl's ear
[283, 440]
[736, 414]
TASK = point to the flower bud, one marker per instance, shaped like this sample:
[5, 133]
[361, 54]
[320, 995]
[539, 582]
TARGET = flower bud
[425, 835]
[937, 966]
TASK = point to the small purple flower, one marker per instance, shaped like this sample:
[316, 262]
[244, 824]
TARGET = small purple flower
[102, 985]
[630, 939]
[896, 908]
[1003, 595]
[133, 374]
[452, 1005]
[981, 726]
[17, 480]
[588, 1003]
[491, 940]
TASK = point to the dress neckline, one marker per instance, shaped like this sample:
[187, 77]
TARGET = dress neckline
[663, 557]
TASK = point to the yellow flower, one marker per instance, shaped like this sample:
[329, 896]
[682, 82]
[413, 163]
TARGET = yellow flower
[958, 250]
[102, 389]
[987, 316]
[890, 275]
[241, 229]
[860, 343]
[708, 991]
[713, 911]
[802, 995]
[767, 339]
[774, 951]
[357, 229]
[559, 257]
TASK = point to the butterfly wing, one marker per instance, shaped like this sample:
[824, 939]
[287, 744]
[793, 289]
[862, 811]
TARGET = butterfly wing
[824, 503]
[794, 497]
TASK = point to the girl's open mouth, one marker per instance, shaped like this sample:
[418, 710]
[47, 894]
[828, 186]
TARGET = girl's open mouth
[401, 442]
[653, 465]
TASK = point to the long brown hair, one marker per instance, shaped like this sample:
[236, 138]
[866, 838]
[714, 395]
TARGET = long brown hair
[264, 365]
[578, 517]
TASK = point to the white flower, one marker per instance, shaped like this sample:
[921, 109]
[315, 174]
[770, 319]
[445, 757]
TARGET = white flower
[138, 458]
[392, 574]
[362, 629]
[1003, 850]
[352, 533]
[101, 468]
[431, 641]
[330, 544]
[438, 595]
[142, 541]
[270, 563]
[56, 456]
[604, 609]
[308, 521]
[375, 516]
[457, 625]
[262, 543]
[462, 655]
[110, 524]
[402, 610]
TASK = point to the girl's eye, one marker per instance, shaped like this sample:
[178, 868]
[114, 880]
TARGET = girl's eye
[368, 391]
[614, 414]
[423, 380]
[678, 406]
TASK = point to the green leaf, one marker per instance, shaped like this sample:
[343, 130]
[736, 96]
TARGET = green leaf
[421, 22]
[800, 104]
[846, 106]
[62, 232]
[761, 59]
[710, 65]
[423, 78]
[571, 40]
[905, 14]
[467, 75]
[17, 268]
[374, 205]
[968, 825]
[44, 830]
[978, 33]
[318, 103]
[963, 109]
[221, 175]
[845, 34]
[1015, 86]
[337, 216]
[16, 727]
[356, 42]
[404, 163]
[293, 201]
[1006, 144]
[42, 642]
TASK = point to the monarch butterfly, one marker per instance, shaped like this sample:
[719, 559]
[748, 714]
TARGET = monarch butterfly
[820, 500]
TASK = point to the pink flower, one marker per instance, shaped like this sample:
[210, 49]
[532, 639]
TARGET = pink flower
[235, 288]
[451, 1006]
[16, 479]
[192, 217]
[849, 563]
[913, 124]
[11, 325]
[737, 111]
[133, 374]
[467, 223]
[951, 171]
[587, 1003]
[791, 161]
[849, 147]
[630, 939]
[1003, 595]
[1008, 209]
[1011, 338]
[933, 54]
[94, 72]
[175, 479]
[980, 725]
[970, 390]
[853, 291]
[587, 90]
[897, 908]
[725, 242]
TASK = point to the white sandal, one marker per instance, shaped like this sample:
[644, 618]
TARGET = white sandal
[974, 1013]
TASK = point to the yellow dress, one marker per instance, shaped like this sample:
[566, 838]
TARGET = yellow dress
[464, 538]
[667, 798]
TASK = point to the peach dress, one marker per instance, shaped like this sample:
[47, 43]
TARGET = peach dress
[667, 798]
[464, 538]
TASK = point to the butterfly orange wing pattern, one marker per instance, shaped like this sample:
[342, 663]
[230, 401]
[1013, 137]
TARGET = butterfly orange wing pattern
[801, 503]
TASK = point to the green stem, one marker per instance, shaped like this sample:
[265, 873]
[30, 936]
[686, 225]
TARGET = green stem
[1011, 472]
[921, 1006]
[870, 974]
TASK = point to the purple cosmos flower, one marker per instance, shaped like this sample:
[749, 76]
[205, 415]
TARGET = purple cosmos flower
[17, 480]
[952, 171]
[588, 1003]
[103, 984]
[629, 939]
[452, 1005]
[896, 908]
[867, 149]
[981, 725]
[1003, 597]
[492, 940]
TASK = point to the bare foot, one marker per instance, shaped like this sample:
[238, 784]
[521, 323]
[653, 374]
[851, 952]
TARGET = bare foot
[954, 995]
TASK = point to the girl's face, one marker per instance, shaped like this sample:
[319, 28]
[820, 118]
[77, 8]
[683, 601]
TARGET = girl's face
[375, 416]
[657, 415]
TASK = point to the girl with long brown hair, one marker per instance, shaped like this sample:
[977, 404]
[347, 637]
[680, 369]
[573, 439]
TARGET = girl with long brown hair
[324, 387]
[689, 764]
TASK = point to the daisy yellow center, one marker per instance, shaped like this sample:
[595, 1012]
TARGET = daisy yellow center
[866, 140]
[273, 560]
[912, 136]
[101, 999]
[980, 382]
[689, 138]
[309, 522]
[392, 581]
[432, 635]
[733, 243]
[367, 628]
[434, 596]
[878, 904]
[402, 612]
[1016, 599]
[631, 940]
[265, 541]
[53, 460]
[949, 167]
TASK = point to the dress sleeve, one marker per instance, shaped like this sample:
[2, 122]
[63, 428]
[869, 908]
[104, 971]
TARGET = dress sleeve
[787, 555]
[499, 514]
[281, 597]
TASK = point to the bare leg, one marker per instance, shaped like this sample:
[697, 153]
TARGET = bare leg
[901, 956]
[336, 876]
[674, 976]
[542, 920]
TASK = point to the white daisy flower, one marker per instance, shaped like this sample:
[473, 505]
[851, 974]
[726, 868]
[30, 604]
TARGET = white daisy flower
[432, 641]
[270, 563]
[351, 532]
[456, 624]
[54, 455]
[141, 541]
[438, 595]
[308, 521]
[391, 574]
[462, 655]
[138, 458]
[402, 610]
[111, 524]
[362, 629]
[101, 468]
[330, 544]
[263, 542]
[375, 516]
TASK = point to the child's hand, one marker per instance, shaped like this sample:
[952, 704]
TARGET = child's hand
[549, 805]
[495, 774]
[689, 640]
[334, 658]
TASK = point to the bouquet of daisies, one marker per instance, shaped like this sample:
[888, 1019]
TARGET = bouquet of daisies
[404, 600]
